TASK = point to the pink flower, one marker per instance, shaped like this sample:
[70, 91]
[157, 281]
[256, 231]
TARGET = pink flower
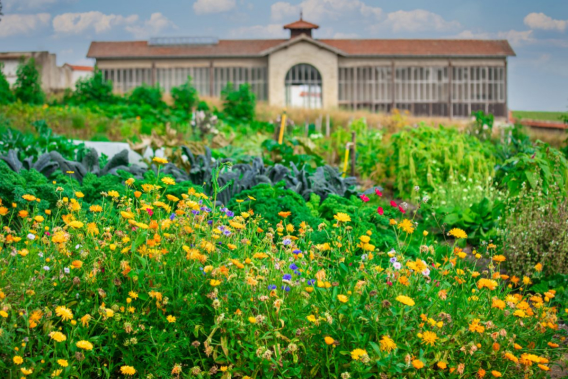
[150, 212]
[389, 283]
[393, 204]
[380, 211]
[401, 209]
[365, 198]
[47, 233]
[378, 192]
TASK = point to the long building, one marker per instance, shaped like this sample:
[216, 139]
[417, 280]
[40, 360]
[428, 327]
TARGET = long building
[441, 77]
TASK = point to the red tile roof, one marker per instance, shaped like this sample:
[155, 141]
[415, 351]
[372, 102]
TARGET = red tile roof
[141, 49]
[301, 24]
[80, 68]
[422, 47]
[351, 47]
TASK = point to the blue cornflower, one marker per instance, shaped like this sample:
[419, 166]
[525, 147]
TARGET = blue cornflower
[296, 251]
[286, 241]
[272, 287]
[230, 213]
[172, 216]
[286, 288]
[311, 282]
[286, 277]
[293, 266]
[392, 260]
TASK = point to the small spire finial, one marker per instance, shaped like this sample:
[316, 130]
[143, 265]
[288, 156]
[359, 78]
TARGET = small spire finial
[301, 15]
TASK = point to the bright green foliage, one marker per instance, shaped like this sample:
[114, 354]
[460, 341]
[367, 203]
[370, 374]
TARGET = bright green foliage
[185, 96]
[147, 95]
[94, 89]
[6, 95]
[426, 157]
[28, 83]
[239, 104]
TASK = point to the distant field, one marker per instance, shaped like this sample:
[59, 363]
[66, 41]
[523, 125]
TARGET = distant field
[542, 116]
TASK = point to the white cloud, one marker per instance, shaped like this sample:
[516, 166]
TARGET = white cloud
[260, 31]
[516, 37]
[155, 25]
[544, 22]
[468, 34]
[74, 23]
[213, 6]
[319, 10]
[15, 24]
[418, 20]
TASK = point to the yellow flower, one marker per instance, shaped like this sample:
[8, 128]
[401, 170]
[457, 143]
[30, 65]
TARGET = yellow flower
[79, 194]
[127, 370]
[407, 226]
[538, 267]
[4, 314]
[429, 338]
[168, 181]
[252, 320]
[496, 374]
[58, 336]
[387, 344]
[27, 371]
[171, 319]
[358, 353]
[328, 340]
[62, 362]
[76, 224]
[458, 233]
[417, 363]
[29, 197]
[160, 160]
[85, 345]
[342, 217]
[18, 360]
[113, 193]
[65, 313]
[312, 318]
[442, 365]
[127, 215]
[56, 373]
[3, 211]
[499, 258]
[405, 300]
[342, 298]
[214, 282]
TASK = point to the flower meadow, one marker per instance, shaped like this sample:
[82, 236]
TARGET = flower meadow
[152, 285]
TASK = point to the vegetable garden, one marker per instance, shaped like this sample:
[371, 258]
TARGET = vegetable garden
[227, 254]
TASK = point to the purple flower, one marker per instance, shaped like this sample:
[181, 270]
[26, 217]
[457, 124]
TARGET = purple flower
[272, 287]
[286, 241]
[293, 266]
[210, 222]
[221, 227]
[227, 233]
[392, 260]
[311, 282]
[195, 212]
[230, 214]
[297, 272]
[286, 277]
[296, 251]
[172, 216]
[286, 288]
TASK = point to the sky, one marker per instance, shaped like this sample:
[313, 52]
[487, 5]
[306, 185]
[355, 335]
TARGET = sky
[537, 30]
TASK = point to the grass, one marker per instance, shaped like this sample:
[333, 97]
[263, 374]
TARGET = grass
[541, 116]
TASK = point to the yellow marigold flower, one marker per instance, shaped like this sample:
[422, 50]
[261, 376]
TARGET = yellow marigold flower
[252, 320]
[342, 298]
[442, 365]
[23, 213]
[65, 313]
[79, 194]
[127, 215]
[114, 194]
[417, 364]
[62, 362]
[543, 367]
[499, 258]
[214, 282]
[129, 182]
[407, 226]
[18, 360]
[312, 318]
[29, 197]
[358, 353]
[405, 300]
[85, 345]
[387, 344]
[171, 319]
[457, 233]
[76, 224]
[538, 267]
[342, 217]
[497, 303]
[58, 336]
[526, 280]
[520, 313]
[77, 264]
[27, 371]
[552, 344]
[511, 358]
[4, 314]
[284, 214]
[486, 283]
[328, 340]
[3, 211]
[160, 160]
[168, 181]
[127, 370]
[56, 373]
[429, 338]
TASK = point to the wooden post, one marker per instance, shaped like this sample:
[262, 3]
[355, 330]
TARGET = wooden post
[353, 152]
[327, 126]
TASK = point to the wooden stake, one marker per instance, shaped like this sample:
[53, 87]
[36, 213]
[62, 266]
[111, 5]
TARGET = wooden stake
[282, 127]
[327, 126]
[353, 144]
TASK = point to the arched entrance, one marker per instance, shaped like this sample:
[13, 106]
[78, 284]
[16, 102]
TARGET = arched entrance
[303, 87]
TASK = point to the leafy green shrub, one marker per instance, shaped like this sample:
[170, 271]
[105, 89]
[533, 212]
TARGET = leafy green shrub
[239, 104]
[185, 96]
[425, 157]
[534, 229]
[147, 95]
[6, 95]
[94, 89]
[28, 83]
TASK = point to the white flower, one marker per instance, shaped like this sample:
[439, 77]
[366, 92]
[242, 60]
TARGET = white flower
[31, 236]
[426, 272]
[46, 268]
[66, 270]
[397, 265]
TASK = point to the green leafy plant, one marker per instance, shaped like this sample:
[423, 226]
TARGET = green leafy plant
[94, 89]
[27, 88]
[6, 95]
[147, 95]
[239, 104]
[185, 96]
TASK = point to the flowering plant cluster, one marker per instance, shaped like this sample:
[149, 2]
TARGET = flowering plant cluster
[150, 285]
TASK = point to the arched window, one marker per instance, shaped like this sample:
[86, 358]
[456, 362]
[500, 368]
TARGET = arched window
[303, 87]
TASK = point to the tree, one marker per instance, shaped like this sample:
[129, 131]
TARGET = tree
[27, 88]
[94, 89]
[185, 96]
[6, 95]
[239, 104]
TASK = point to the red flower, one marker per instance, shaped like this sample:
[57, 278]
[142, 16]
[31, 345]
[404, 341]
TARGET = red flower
[364, 198]
[380, 211]
[393, 204]
[150, 212]
[389, 282]
[378, 192]
[401, 209]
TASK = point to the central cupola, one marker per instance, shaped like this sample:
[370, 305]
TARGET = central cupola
[300, 27]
